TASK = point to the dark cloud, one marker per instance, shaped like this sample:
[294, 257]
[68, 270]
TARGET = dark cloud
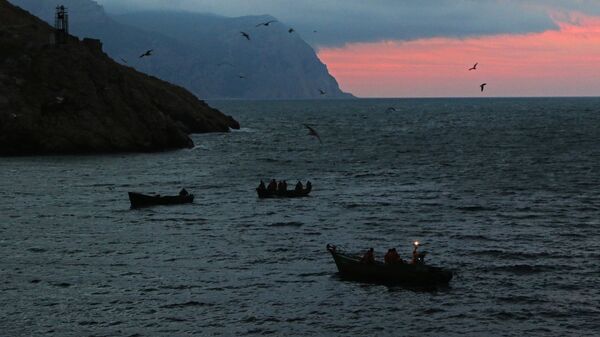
[344, 21]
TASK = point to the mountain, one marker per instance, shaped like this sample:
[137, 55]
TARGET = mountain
[205, 53]
[73, 98]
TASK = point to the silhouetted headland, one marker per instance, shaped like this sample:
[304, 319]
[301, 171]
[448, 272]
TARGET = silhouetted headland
[72, 98]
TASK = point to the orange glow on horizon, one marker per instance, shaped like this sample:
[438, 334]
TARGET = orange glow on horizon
[564, 62]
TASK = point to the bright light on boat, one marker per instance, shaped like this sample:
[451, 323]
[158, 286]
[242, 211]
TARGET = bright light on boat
[416, 243]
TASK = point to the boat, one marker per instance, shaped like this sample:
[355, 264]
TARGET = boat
[416, 274]
[264, 193]
[141, 200]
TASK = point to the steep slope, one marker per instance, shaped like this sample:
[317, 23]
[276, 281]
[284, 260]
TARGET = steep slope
[274, 62]
[205, 53]
[74, 99]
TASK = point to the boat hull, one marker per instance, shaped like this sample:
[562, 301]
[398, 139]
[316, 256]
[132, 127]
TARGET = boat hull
[139, 200]
[263, 194]
[350, 267]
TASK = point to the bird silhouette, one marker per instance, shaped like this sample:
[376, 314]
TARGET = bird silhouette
[147, 53]
[291, 30]
[244, 34]
[312, 132]
[266, 24]
[322, 92]
[242, 76]
[124, 60]
[390, 109]
[474, 67]
[482, 85]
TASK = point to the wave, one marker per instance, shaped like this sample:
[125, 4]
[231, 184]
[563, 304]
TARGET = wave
[242, 130]
[475, 208]
[185, 305]
[286, 224]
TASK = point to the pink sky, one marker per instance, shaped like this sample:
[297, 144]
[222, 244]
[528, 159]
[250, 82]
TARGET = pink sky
[565, 62]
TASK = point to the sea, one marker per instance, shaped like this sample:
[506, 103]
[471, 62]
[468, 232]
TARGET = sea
[503, 191]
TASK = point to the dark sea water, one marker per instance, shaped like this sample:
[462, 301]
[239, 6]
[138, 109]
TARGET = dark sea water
[504, 191]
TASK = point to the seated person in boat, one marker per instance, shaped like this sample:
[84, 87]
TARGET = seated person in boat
[392, 257]
[183, 193]
[272, 188]
[282, 187]
[299, 187]
[261, 186]
[369, 257]
[308, 185]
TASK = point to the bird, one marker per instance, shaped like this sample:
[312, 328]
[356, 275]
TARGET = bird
[147, 53]
[244, 34]
[291, 30]
[266, 24]
[474, 67]
[390, 109]
[482, 85]
[322, 92]
[312, 132]
[314, 31]
[242, 76]
[124, 60]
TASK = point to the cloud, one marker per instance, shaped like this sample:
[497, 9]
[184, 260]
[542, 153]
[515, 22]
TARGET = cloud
[338, 22]
[553, 63]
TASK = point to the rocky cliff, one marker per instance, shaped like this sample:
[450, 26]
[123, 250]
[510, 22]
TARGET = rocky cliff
[73, 98]
[205, 53]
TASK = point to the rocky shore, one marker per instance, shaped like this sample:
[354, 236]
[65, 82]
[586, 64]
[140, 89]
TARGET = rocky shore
[72, 98]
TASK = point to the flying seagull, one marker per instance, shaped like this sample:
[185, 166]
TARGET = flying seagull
[244, 34]
[291, 30]
[147, 53]
[312, 132]
[322, 92]
[482, 85]
[124, 60]
[266, 24]
[474, 67]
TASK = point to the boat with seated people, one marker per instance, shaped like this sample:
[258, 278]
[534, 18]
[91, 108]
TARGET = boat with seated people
[298, 192]
[138, 200]
[351, 266]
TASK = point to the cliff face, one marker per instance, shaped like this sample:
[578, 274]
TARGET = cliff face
[205, 53]
[274, 63]
[73, 98]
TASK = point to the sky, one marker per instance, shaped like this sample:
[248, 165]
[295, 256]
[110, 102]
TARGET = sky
[407, 48]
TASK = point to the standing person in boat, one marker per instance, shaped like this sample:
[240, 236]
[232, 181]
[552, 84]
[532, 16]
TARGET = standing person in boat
[299, 187]
[285, 186]
[417, 257]
[183, 192]
[261, 186]
[308, 185]
[369, 257]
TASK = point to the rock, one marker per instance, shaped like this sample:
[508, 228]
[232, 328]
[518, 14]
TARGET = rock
[73, 98]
